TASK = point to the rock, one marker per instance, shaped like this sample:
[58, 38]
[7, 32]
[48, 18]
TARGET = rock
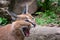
[44, 33]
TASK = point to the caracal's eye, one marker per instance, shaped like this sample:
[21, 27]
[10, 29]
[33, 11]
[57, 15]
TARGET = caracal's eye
[33, 18]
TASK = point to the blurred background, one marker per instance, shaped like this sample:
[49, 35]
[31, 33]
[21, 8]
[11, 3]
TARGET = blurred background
[46, 12]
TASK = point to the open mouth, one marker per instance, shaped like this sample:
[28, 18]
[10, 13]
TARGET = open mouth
[25, 31]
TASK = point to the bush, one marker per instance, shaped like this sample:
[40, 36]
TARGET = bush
[58, 10]
[47, 17]
[3, 21]
[47, 4]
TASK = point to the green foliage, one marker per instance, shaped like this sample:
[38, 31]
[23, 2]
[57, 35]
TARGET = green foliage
[47, 4]
[58, 9]
[3, 21]
[59, 2]
[47, 13]
[47, 17]
[40, 21]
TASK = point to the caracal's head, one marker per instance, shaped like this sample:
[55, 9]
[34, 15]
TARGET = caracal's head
[26, 16]
[26, 20]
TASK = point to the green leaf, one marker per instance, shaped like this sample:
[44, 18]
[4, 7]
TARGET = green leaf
[0, 20]
[3, 21]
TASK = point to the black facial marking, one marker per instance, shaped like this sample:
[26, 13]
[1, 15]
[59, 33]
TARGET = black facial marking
[24, 10]
[31, 23]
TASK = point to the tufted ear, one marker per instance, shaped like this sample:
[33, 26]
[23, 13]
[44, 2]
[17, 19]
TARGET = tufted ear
[12, 14]
[25, 10]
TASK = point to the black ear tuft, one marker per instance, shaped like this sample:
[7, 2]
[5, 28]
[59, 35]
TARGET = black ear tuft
[25, 10]
[12, 14]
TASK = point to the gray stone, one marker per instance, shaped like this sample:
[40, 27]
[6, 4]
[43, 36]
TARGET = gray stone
[44, 33]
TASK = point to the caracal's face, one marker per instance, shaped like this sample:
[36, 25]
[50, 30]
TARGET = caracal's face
[28, 18]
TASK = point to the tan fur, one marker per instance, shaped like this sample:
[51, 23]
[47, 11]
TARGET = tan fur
[24, 16]
[11, 31]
